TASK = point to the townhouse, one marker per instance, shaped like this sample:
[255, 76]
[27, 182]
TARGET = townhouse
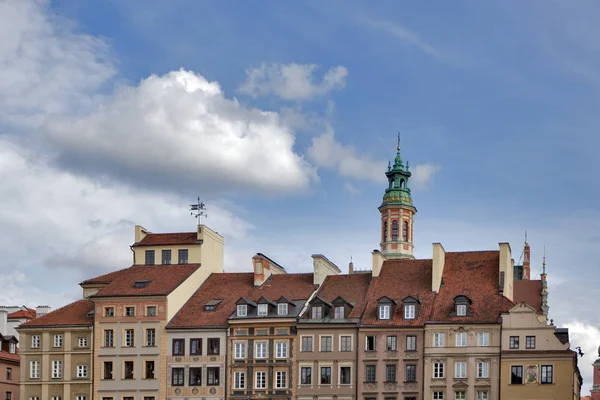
[9, 367]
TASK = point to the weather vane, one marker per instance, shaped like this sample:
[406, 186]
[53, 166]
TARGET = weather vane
[198, 211]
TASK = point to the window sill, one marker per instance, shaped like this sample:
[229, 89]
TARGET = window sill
[410, 381]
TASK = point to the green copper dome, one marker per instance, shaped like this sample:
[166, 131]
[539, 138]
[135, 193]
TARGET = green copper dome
[397, 192]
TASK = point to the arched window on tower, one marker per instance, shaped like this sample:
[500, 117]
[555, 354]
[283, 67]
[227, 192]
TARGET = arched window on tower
[384, 232]
[394, 230]
[401, 183]
[405, 231]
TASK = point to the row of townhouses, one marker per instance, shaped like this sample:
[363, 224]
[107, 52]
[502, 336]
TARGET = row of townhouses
[174, 325]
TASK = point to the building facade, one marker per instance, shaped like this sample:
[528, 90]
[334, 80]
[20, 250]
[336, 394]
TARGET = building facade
[56, 354]
[9, 368]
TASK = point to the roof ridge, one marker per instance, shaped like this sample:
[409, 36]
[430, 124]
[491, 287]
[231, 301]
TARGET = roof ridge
[38, 319]
[170, 233]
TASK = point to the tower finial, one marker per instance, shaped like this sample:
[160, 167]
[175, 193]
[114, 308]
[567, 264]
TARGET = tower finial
[525, 236]
[398, 141]
[544, 262]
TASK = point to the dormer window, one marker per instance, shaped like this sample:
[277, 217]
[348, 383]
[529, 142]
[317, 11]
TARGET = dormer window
[211, 305]
[385, 308]
[263, 310]
[409, 311]
[242, 310]
[384, 311]
[461, 310]
[339, 312]
[462, 305]
[141, 284]
[282, 309]
[317, 312]
[12, 348]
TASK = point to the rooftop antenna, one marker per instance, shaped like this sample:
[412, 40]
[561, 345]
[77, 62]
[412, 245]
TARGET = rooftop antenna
[198, 211]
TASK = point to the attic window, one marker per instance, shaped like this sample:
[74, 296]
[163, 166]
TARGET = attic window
[411, 307]
[282, 309]
[462, 306]
[211, 305]
[384, 311]
[242, 310]
[317, 312]
[141, 284]
[263, 310]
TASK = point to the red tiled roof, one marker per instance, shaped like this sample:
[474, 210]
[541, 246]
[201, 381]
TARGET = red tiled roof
[227, 287]
[397, 280]
[29, 314]
[106, 278]
[72, 314]
[474, 274]
[530, 292]
[163, 279]
[166, 239]
[352, 288]
[5, 355]
[292, 286]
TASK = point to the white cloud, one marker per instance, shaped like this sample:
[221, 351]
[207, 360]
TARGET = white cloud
[588, 338]
[423, 174]
[180, 131]
[292, 81]
[46, 66]
[350, 188]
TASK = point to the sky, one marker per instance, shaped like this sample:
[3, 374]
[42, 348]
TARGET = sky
[282, 117]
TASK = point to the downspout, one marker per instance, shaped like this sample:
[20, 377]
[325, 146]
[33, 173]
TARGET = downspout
[131, 248]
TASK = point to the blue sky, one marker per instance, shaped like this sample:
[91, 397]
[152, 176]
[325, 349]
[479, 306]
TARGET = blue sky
[282, 117]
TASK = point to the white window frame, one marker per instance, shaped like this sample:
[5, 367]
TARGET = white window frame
[56, 369]
[316, 312]
[483, 369]
[58, 340]
[460, 369]
[127, 340]
[338, 312]
[240, 350]
[483, 339]
[81, 397]
[281, 350]
[263, 310]
[483, 395]
[410, 311]
[55, 397]
[282, 309]
[322, 342]
[263, 380]
[351, 342]
[82, 371]
[278, 378]
[462, 342]
[260, 354]
[439, 339]
[384, 311]
[35, 341]
[34, 369]
[12, 348]
[242, 310]
[150, 334]
[239, 377]
[438, 369]
[461, 395]
[82, 342]
[461, 310]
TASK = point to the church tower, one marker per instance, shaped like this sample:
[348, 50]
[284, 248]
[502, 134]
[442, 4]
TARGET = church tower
[397, 212]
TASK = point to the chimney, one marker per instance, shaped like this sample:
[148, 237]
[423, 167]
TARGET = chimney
[323, 267]
[140, 233]
[264, 267]
[437, 266]
[378, 260]
[506, 271]
[526, 262]
[3, 321]
[40, 311]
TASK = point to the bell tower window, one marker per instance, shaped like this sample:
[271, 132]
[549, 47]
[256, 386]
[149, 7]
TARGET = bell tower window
[405, 231]
[384, 233]
[394, 230]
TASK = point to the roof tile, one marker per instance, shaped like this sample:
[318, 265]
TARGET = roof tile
[72, 314]
[352, 288]
[166, 239]
[529, 291]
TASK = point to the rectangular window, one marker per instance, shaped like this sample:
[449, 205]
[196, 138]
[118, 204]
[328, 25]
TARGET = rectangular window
[213, 347]
[82, 342]
[345, 343]
[149, 369]
[166, 257]
[177, 376]
[242, 310]
[460, 396]
[109, 312]
[325, 375]
[150, 337]
[306, 375]
[513, 342]
[530, 342]
[212, 378]
[56, 369]
[196, 347]
[58, 340]
[129, 338]
[461, 339]
[484, 339]
[391, 343]
[460, 369]
[149, 257]
[384, 311]
[516, 375]
[307, 343]
[261, 380]
[482, 395]
[82, 371]
[34, 369]
[439, 339]
[35, 341]
[262, 310]
[182, 256]
[547, 374]
[240, 350]
[8, 396]
[461, 310]
[410, 311]
[438, 395]
[411, 343]
[317, 312]
[128, 370]
[338, 312]
[370, 343]
[280, 379]
[239, 380]
[55, 397]
[438, 369]
[345, 375]
[8, 374]
[109, 335]
[195, 376]
[261, 350]
[178, 347]
[130, 311]
[281, 350]
[108, 370]
[282, 309]
[411, 373]
[326, 343]
[371, 373]
[151, 311]
[390, 373]
[80, 397]
[483, 369]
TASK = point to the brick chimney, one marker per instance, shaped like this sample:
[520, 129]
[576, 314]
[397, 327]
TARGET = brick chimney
[264, 267]
[526, 262]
